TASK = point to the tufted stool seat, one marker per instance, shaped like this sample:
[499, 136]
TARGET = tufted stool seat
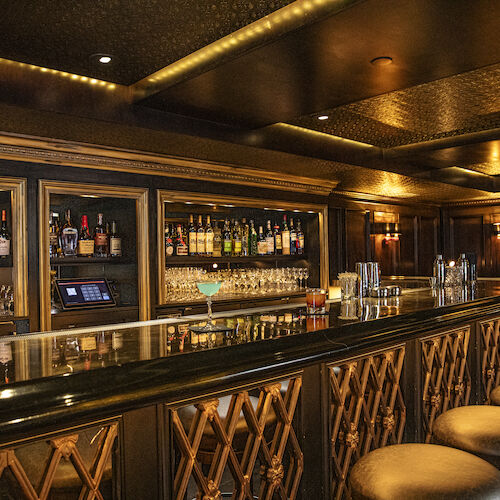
[423, 472]
[475, 429]
[495, 396]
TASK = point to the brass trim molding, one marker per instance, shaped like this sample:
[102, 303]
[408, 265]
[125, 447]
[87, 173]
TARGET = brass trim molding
[140, 195]
[238, 201]
[75, 154]
[17, 188]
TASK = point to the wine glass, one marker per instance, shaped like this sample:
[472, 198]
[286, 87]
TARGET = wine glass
[209, 288]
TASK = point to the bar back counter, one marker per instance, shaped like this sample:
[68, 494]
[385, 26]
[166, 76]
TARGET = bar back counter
[281, 405]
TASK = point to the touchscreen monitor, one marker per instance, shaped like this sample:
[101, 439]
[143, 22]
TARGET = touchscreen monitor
[79, 293]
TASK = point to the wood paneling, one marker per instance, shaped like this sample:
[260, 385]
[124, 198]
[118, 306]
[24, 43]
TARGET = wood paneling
[355, 238]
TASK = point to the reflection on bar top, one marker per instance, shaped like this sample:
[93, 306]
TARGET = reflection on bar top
[92, 348]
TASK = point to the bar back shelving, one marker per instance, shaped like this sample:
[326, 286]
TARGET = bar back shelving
[127, 274]
[176, 207]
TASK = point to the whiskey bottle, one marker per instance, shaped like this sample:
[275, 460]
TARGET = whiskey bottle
[269, 239]
[285, 237]
[181, 247]
[217, 240]
[54, 248]
[85, 241]
[209, 238]
[69, 237]
[200, 237]
[293, 238]
[192, 236]
[100, 238]
[115, 242]
[300, 239]
[278, 248]
[237, 240]
[227, 240]
[261, 243]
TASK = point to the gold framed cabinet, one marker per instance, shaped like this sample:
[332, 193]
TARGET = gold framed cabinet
[175, 206]
[135, 197]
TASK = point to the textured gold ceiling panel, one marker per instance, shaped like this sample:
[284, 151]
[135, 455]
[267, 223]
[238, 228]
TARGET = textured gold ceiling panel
[489, 168]
[450, 106]
[143, 35]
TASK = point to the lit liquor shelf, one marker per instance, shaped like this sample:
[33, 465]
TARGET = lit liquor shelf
[200, 259]
[79, 261]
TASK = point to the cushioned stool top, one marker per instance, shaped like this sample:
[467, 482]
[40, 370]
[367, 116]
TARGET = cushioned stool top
[423, 471]
[471, 428]
[495, 396]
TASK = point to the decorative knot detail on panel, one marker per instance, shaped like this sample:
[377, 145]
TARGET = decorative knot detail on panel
[209, 407]
[490, 373]
[273, 389]
[389, 422]
[213, 492]
[65, 445]
[459, 389]
[275, 473]
[351, 438]
[389, 356]
[436, 400]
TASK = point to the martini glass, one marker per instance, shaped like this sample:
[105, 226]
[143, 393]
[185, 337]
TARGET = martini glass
[209, 288]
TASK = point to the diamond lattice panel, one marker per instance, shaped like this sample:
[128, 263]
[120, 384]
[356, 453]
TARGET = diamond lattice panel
[253, 441]
[450, 106]
[367, 411]
[74, 466]
[445, 375]
[490, 356]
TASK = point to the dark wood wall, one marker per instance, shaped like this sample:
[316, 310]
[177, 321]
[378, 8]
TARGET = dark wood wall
[353, 237]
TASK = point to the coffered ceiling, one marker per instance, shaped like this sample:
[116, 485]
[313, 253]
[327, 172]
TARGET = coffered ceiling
[258, 73]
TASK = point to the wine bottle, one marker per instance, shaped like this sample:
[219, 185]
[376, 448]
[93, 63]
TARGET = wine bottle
[54, 248]
[269, 239]
[285, 237]
[85, 241]
[253, 239]
[261, 243]
[181, 247]
[300, 239]
[245, 238]
[227, 240]
[200, 237]
[69, 237]
[217, 240]
[192, 236]
[293, 238]
[169, 241]
[209, 238]
[115, 241]
[100, 238]
[237, 239]
[278, 248]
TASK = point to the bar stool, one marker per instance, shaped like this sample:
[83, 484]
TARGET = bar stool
[423, 472]
[475, 429]
[495, 396]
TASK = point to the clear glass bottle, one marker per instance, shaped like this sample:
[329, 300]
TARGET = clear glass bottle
[439, 271]
[68, 237]
[464, 266]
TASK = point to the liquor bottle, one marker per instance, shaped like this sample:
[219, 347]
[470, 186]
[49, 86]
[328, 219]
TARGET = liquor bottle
[115, 242]
[54, 248]
[253, 239]
[278, 248]
[227, 240]
[237, 239]
[200, 237]
[300, 238]
[181, 247]
[285, 237]
[169, 241]
[270, 239]
[293, 238]
[464, 266]
[261, 243]
[209, 238]
[245, 238]
[85, 241]
[192, 236]
[108, 235]
[217, 240]
[4, 237]
[100, 238]
[68, 237]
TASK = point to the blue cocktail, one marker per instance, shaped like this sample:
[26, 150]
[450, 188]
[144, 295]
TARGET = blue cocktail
[209, 288]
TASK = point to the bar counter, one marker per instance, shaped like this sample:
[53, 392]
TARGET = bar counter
[392, 369]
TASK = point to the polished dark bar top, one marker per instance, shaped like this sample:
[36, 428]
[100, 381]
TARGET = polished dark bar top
[70, 377]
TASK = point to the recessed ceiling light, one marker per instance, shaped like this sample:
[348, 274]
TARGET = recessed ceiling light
[323, 117]
[101, 58]
[105, 59]
[381, 61]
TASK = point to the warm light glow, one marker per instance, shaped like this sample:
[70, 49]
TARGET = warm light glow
[105, 59]
[323, 117]
[451, 263]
